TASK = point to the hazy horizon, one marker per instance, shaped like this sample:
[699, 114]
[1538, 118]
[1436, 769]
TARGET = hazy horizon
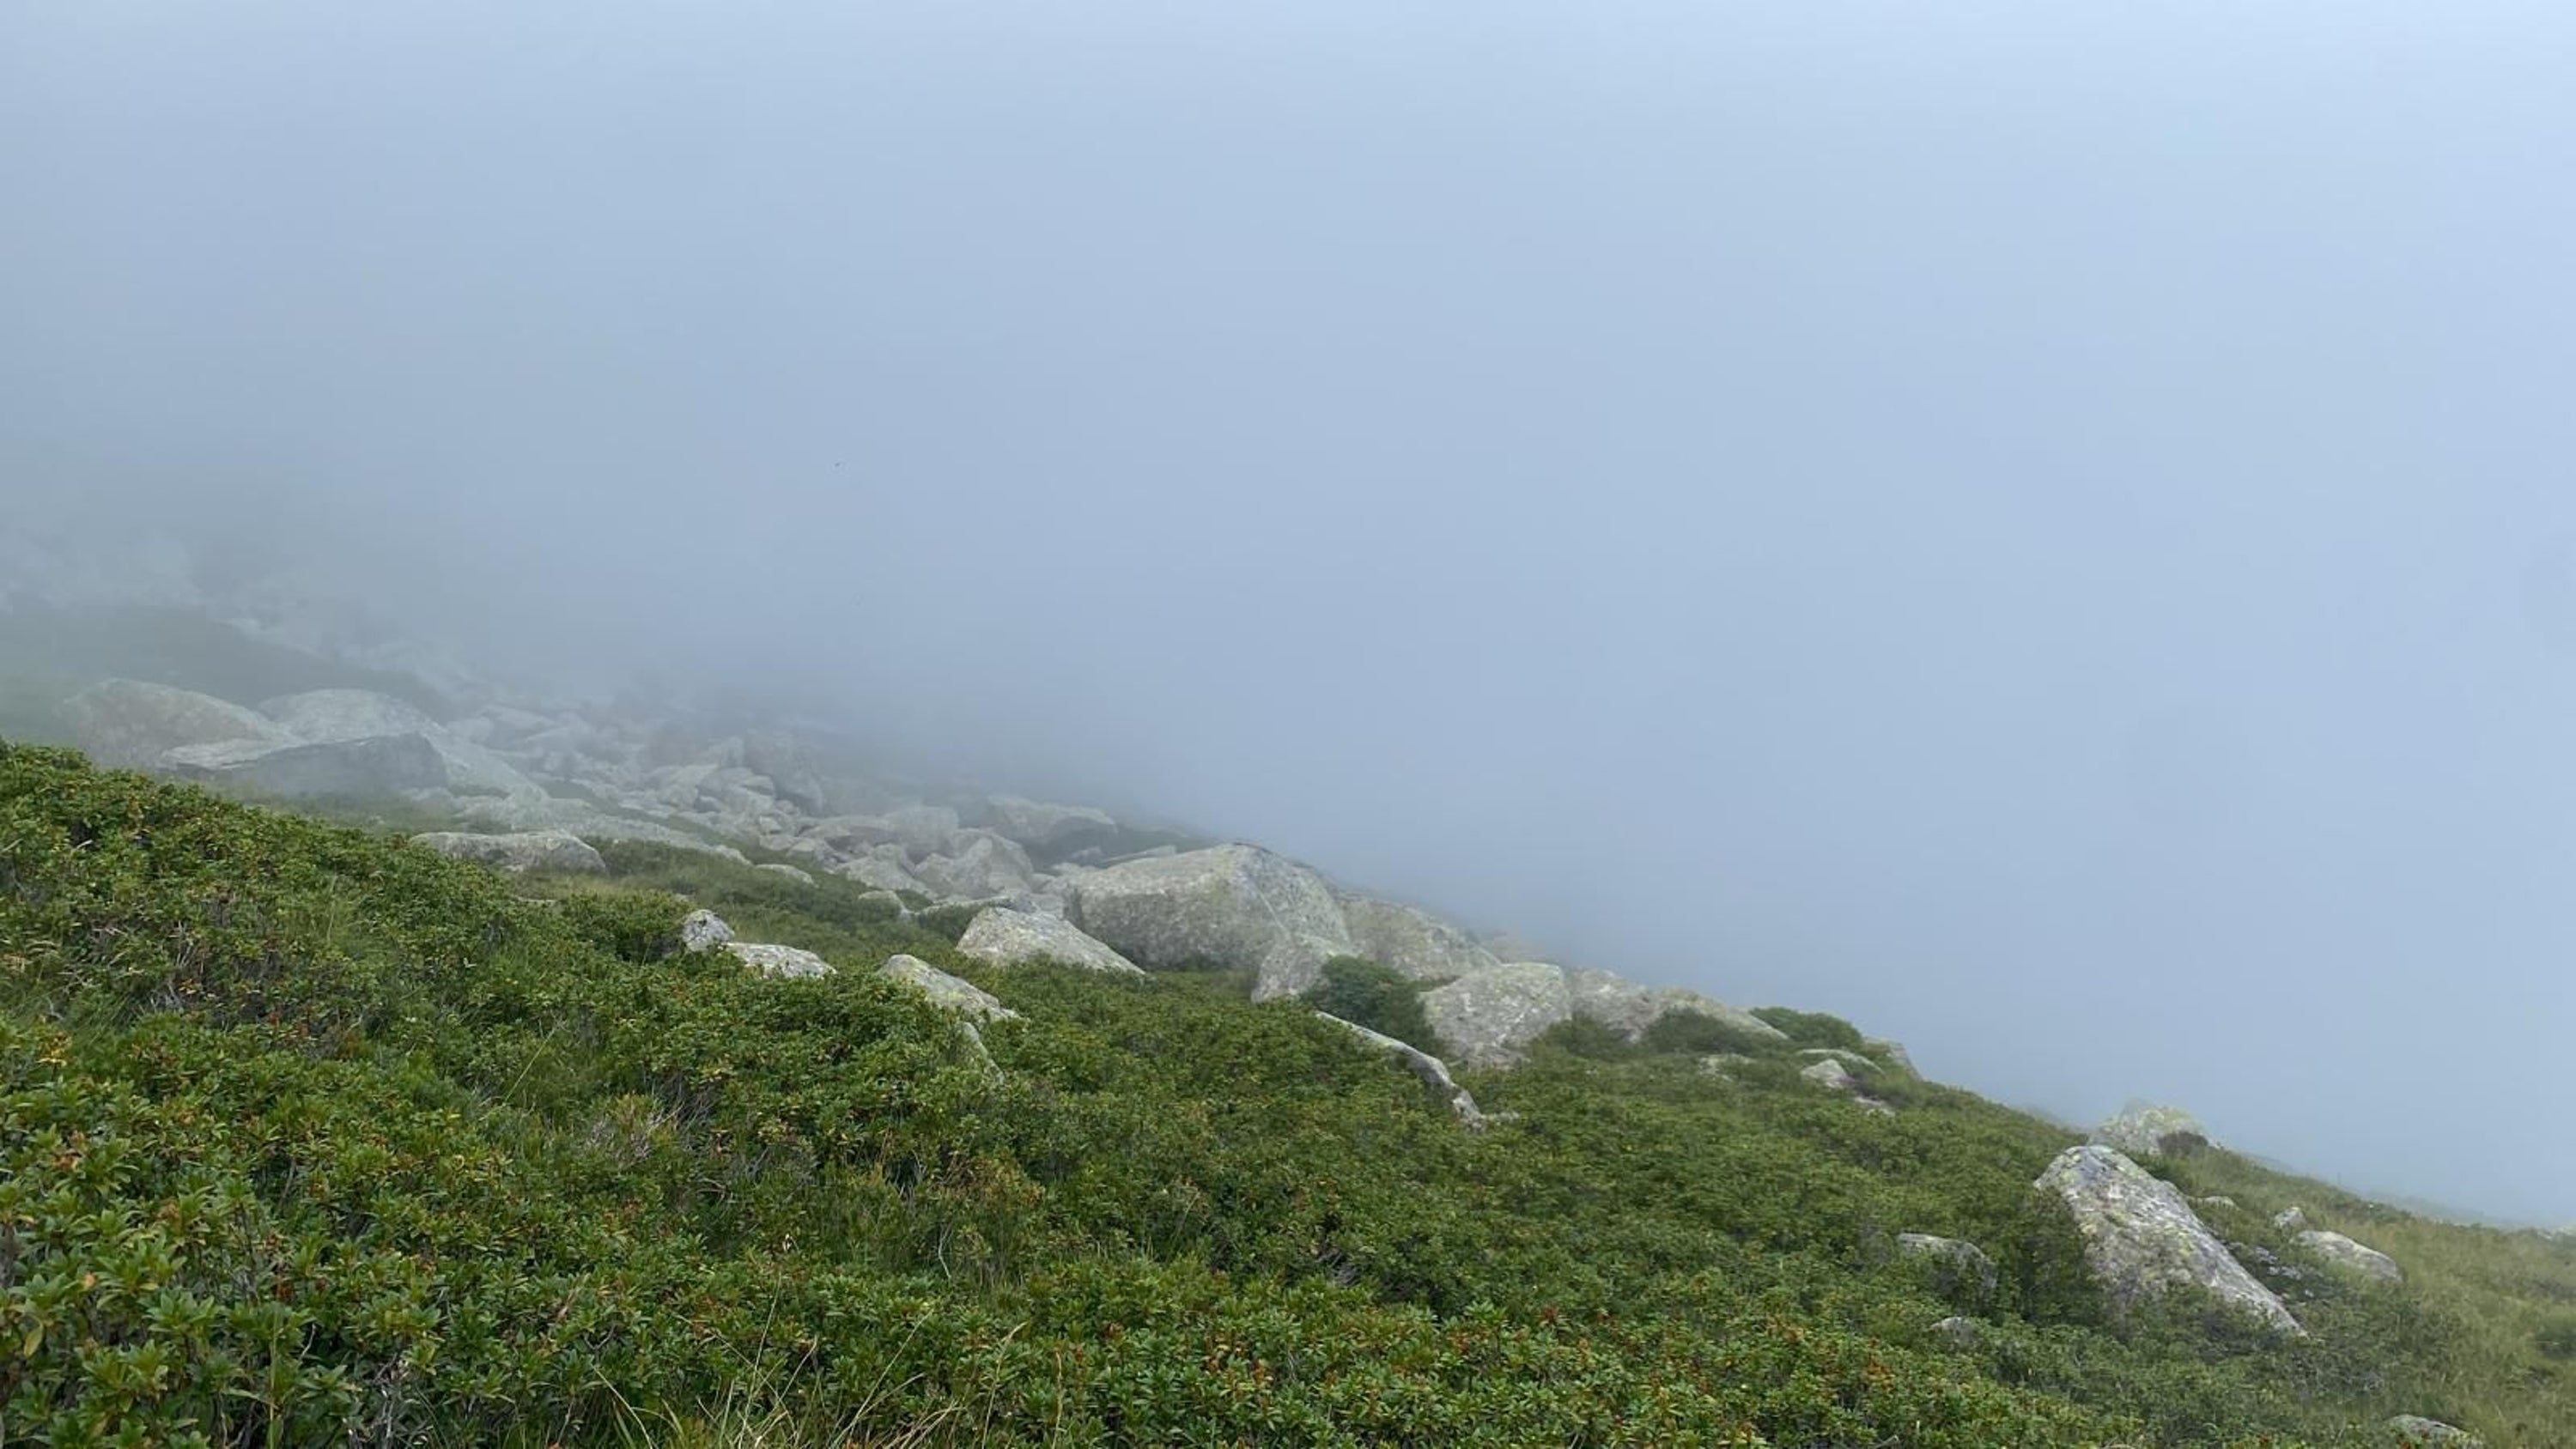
[2039, 531]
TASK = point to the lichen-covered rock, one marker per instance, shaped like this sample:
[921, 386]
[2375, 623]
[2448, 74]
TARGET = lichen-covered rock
[1961, 1266]
[129, 724]
[2338, 1251]
[703, 930]
[1006, 937]
[775, 960]
[1229, 905]
[1433, 1072]
[2290, 1219]
[2413, 1431]
[946, 992]
[2141, 1238]
[518, 852]
[1416, 943]
[1490, 1018]
[2144, 1129]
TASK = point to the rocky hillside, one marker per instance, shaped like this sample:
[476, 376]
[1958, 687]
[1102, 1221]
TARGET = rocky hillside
[636, 1076]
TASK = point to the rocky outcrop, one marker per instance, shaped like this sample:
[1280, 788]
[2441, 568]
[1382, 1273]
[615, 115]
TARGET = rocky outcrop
[946, 992]
[2290, 1219]
[884, 873]
[2143, 1129]
[131, 725]
[517, 853]
[1231, 905]
[1961, 1267]
[1831, 1075]
[1414, 942]
[2345, 1255]
[1006, 937]
[1433, 1072]
[2141, 1238]
[350, 716]
[1490, 1018]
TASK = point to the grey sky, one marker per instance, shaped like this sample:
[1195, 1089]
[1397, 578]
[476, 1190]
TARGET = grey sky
[2046, 529]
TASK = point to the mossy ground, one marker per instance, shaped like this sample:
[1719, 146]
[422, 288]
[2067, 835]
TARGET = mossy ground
[307, 1135]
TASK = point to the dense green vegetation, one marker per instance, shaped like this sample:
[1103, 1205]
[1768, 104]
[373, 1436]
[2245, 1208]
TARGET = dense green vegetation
[1380, 998]
[310, 1136]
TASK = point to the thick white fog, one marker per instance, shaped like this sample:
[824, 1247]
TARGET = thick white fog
[2046, 530]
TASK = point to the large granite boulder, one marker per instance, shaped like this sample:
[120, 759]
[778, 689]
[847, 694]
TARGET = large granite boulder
[131, 725]
[1231, 905]
[2141, 1238]
[1414, 942]
[1629, 1009]
[1490, 1018]
[345, 769]
[518, 852]
[1054, 830]
[1433, 1072]
[351, 716]
[703, 930]
[884, 873]
[946, 992]
[984, 866]
[2340, 1252]
[1006, 937]
[2143, 1129]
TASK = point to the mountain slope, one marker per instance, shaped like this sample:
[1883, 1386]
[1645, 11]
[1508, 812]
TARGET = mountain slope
[312, 1134]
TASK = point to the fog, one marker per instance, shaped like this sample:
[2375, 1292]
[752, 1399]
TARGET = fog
[2046, 530]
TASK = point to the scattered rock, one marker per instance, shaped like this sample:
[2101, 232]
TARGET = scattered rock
[2343, 1253]
[946, 992]
[2215, 1200]
[1962, 1266]
[1957, 1332]
[2141, 1238]
[703, 930]
[1838, 1054]
[984, 865]
[1006, 937]
[2290, 1219]
[128, 724]
[1893, 1055]
[1230, 905]
[789, 871]
[1489, 1019]
[773, 960]
[2143, 1129]
[1433, 1071]
[519, 852]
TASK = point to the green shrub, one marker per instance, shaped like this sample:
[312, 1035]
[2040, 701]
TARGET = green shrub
[1700, 1034]
[1813, 1028]
[1380, 998]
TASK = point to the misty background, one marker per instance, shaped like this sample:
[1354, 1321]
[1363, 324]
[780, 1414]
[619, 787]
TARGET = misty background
[2045, 530]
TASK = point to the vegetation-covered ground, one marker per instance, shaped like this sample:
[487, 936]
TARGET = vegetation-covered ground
[310, 1136]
